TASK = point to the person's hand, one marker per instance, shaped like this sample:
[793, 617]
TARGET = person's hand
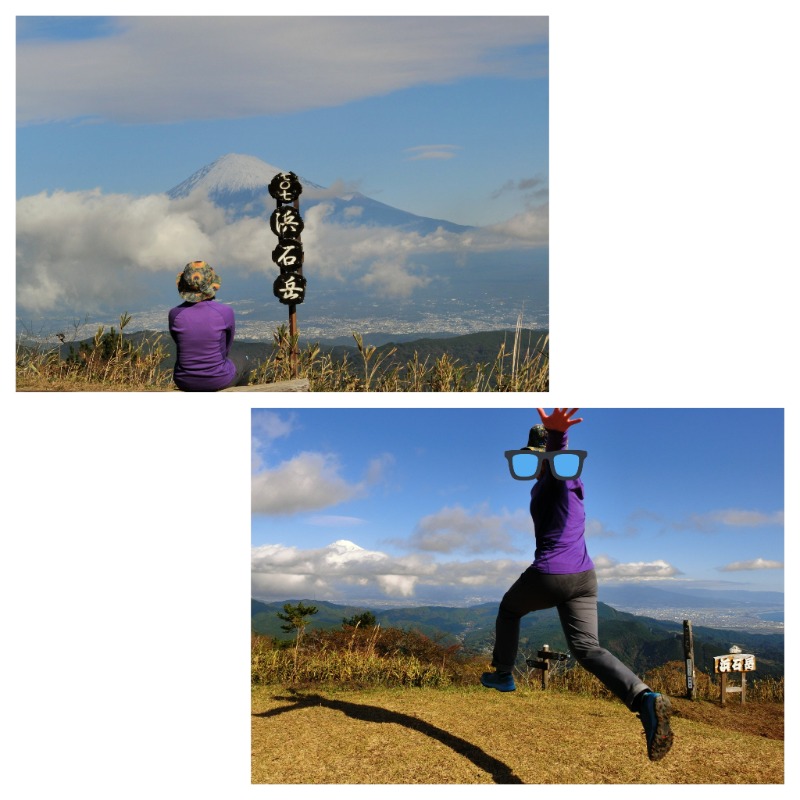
[559, 420]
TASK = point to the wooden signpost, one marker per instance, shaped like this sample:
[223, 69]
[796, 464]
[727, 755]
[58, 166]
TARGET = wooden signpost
[545, 656]
[735, 661]
[688, 654]
[287, 224]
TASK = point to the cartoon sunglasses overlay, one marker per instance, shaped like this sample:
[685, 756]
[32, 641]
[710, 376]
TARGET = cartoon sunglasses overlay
[525, 465]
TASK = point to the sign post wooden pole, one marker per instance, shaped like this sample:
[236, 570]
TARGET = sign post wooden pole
[287, 225]
[293, 333]
[688, 654]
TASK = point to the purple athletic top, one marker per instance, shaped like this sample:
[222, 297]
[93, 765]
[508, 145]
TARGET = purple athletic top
[559, 520]
[203, 333]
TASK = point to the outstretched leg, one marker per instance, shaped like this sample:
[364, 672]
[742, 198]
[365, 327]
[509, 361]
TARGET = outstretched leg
[579, 621]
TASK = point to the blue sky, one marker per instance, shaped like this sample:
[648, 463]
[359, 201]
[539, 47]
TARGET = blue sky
[672, 495]
[443, 117]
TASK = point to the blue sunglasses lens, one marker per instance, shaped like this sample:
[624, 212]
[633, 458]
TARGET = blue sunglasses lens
[525, 465]
[566, 465]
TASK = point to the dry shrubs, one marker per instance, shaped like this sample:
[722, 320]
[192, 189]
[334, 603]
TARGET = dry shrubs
[525, 368]
[356, 656]
[108, 360]
[111, 362]
[669, 679]
[372, 656]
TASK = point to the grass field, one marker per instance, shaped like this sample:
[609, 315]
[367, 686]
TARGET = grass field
[472, 735]
[112, 363]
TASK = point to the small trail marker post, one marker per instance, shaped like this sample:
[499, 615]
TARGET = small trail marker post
[688, 654]
[287, 224]
[735, 661]
[545, 656]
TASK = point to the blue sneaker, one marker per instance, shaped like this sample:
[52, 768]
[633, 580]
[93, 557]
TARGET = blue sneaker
[654, 713]
[502, 681]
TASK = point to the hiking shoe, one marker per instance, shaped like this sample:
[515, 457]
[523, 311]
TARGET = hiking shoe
[654, 714]
[502, 681]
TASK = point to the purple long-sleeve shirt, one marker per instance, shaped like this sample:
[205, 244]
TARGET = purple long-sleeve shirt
[203, 333]
[559, 520]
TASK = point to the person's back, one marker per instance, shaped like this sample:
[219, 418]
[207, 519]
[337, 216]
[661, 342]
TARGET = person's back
[203, 330]
[203, 333]
[559, 519]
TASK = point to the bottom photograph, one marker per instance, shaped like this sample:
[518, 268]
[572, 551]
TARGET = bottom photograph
[517, 596]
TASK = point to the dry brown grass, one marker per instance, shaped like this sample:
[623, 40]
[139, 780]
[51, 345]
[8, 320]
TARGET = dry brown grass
[519, 367]
[108, 363]
[111, 364]
[473, 735]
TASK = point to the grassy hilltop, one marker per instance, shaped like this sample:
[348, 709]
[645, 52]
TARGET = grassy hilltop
[113, 360]
[472, 735]
[373, 705]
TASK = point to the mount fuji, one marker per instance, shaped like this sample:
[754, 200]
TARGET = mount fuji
[239, 184]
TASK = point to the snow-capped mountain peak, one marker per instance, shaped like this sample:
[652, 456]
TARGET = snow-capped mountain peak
[240, 185]
[345, 544]
[231, 173]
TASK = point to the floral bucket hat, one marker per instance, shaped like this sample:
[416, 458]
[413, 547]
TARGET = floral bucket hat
[537, 438]
[197, 282]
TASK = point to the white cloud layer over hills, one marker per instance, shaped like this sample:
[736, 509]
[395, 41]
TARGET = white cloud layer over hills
[87, 249]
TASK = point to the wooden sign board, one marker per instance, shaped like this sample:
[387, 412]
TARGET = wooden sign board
[735, 662]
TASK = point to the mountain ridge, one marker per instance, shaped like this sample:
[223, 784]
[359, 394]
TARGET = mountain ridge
[642, 642]
[240, 184]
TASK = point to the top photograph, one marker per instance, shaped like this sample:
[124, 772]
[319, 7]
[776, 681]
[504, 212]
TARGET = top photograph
[282, 204]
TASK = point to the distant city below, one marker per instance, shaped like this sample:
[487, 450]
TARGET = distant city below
[766, 620]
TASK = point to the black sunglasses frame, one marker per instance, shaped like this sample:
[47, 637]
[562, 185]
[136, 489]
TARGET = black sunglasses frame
[543, 456]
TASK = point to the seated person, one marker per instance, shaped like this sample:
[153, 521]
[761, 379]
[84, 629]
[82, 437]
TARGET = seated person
[203, 331]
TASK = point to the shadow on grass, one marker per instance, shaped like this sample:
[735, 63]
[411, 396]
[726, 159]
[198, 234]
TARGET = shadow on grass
[500, 772]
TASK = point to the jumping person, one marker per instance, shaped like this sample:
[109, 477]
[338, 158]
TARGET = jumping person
[562, 576]
[203, 331]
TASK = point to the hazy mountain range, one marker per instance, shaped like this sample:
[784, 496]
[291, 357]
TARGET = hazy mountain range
[239, 184]
[642, 642]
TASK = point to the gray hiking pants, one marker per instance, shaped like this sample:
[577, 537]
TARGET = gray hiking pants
[575, 598]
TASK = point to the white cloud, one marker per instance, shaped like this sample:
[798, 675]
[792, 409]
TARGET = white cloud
[88, 250]
[151, 68]
[343, 570]
[532, 188]
[532, 226]
[396, 585]
[266, 426]
[308, 482]
[425, 152]
[270, 425]
[742, 518]
[755, 564]
[454, 528]
[393, 278]
[608, 569]
[708, 522]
